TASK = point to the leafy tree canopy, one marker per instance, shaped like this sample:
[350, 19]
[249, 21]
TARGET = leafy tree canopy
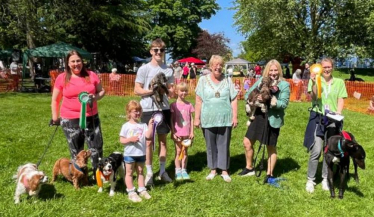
[176, 22]
[305, 28]
[212, 44]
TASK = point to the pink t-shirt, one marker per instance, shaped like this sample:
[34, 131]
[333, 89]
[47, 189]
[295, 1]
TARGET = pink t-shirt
[181, 117]
[71, 106]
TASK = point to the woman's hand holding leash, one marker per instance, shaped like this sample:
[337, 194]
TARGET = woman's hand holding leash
[55, 122]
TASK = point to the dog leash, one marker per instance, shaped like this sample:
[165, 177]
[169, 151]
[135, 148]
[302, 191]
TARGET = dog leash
[264, 134]
[46, 148]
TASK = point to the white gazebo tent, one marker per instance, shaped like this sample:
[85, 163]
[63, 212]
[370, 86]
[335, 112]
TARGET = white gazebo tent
[237, 62]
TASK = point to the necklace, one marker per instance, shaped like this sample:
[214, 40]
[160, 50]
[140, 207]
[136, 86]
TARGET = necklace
[217, 93]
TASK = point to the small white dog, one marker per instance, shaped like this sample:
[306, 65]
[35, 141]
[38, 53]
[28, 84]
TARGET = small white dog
[29, 180]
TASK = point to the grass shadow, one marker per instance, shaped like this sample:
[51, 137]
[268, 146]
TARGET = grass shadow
[285, 165]
[48, 191]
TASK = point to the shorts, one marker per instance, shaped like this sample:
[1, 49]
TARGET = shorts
[134, 159]
[164, 127]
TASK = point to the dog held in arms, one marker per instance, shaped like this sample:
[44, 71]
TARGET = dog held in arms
[264, 90]
[338, 151]
[108, 170]
[73, 170]
[29, 180]
[159, 87]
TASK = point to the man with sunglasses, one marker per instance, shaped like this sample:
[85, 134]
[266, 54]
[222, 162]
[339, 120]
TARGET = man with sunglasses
[143, 78]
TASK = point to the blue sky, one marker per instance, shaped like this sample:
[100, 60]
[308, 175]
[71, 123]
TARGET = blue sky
[223, 22]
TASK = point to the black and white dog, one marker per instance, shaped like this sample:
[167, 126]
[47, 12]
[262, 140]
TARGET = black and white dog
[339, 150]
[108, 170]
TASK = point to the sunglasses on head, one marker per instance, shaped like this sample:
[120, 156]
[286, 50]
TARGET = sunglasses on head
[156, 50]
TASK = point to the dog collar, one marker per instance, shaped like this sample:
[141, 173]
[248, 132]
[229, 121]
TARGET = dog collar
[75, 166]
[340, 149]
[105, 177]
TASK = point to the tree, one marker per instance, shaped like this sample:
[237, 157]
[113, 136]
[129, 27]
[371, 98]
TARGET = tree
[208, 45]
[114, 28]
[305, 28]
[176, 22]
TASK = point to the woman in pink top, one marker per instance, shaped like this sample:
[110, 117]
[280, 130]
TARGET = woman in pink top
[181, 129]
[75, 80]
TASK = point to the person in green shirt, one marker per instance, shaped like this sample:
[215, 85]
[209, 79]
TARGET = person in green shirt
[216, 114]
[319, 128]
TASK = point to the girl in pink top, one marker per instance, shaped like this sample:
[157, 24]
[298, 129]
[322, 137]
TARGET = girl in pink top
[181, 129]
[68, 86]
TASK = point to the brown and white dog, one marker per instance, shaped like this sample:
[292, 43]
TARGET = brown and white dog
[73, 170]
[29, 180]
[108, 170]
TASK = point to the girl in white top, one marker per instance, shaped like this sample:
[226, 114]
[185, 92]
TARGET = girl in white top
[133, 136]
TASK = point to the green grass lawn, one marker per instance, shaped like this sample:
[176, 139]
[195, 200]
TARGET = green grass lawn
[25, 133]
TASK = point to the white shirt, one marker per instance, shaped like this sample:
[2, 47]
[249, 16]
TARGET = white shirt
[14, 68]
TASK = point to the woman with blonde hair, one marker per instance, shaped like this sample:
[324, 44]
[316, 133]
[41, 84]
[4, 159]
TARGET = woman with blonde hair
[216, 114]
[265, 127]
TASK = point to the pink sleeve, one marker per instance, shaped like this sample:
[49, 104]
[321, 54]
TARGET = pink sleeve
[94, 78]
[59, 83]
[192, 109]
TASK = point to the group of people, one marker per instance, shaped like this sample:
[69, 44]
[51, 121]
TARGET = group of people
[216, 113]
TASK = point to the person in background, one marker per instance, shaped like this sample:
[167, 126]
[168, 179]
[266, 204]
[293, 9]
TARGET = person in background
[298, 84]
[114, 80]
[14, 73]
[258, 71]
[68, 85]
[216, 113]
[186, 70]
[193, 71]
[142, 81]
[318, 131]
[177, 72]
[265, 128]
[306, 73]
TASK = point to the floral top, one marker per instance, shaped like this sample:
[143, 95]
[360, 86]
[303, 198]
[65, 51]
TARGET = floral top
[216, 110]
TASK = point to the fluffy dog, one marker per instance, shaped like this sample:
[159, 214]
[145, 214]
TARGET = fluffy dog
[108, 170]
[339, 150]
[73, 170]
[264, 89]
[159, 87]
[29, 180]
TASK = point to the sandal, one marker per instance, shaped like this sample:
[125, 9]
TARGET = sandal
[211, 176]
[226, 178]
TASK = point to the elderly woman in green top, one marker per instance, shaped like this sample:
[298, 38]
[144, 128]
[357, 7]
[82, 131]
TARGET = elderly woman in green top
[265, 127]
[216, 114]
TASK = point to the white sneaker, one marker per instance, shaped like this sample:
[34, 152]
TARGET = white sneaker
[164, 177]
[134, 197]
[145, 195]
[148, 180]
[310, 186]
[325, 185]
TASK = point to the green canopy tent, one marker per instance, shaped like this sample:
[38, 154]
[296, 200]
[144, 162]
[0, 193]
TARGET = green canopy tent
[59, 50]
[4, 54]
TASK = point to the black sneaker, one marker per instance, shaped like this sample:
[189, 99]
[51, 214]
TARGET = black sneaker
[247, 172]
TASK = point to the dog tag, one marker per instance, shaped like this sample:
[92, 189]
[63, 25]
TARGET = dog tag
[217, 95]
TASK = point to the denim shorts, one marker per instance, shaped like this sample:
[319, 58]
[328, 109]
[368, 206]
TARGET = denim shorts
[134, 159]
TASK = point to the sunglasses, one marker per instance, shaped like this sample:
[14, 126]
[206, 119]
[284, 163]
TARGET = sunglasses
[156, 50]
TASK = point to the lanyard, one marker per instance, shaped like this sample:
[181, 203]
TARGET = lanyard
[327, 92]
